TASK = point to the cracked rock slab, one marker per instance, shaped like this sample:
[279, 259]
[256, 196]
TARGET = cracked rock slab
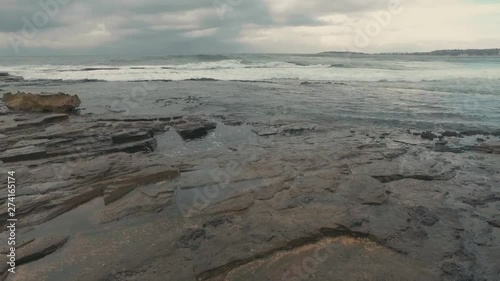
[39, 248]
[117, 188]
[134, 135]
[23, 154]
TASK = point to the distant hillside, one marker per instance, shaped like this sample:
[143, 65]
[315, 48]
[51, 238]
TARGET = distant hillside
[342, 53]
[456, 52]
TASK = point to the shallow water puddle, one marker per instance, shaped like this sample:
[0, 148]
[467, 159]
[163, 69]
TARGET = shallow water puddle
[81, 219]
[223, 137]
[207, 195]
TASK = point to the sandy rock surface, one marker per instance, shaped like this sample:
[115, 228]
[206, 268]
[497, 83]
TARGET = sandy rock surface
[41, 102]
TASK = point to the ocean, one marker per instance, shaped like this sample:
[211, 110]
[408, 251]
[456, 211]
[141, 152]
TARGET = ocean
[390, 90]
[321, 67]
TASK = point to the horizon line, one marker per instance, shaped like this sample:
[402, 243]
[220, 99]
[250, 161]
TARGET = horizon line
[266, 53]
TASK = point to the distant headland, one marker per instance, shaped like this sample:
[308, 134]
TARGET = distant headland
[454, 52]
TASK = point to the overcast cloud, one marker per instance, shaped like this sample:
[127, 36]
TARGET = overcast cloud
[229, 26]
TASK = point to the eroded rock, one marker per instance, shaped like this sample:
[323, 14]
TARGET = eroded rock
[133, 135]
[41, 102]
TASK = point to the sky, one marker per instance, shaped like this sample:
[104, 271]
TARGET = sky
[131, 27]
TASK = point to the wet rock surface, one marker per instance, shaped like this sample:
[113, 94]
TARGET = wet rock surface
[195, 130]
[6, 77]
[99, 198]
[39, 247]
[428, 135]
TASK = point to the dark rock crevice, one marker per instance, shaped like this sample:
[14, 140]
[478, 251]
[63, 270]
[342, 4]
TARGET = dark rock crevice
[397, 177]
[323, 233]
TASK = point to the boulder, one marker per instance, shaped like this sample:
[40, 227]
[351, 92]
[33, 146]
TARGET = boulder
[428, 135]
[489, 147]
[192, 131]
[450, 134]
[6, 77]
[41, 102]
[495, 221]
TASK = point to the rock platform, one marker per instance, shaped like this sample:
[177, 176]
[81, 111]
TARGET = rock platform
[98, 200]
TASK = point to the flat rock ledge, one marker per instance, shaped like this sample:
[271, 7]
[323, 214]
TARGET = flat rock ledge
[296, 202]
[69, 160]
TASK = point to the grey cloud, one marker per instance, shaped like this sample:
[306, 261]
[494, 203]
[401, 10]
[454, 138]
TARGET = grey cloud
[159, 26]
[11, 17]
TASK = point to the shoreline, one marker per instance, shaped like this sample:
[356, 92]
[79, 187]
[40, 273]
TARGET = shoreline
[423, 106]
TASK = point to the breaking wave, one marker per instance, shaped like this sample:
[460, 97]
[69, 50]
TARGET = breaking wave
[248, 68]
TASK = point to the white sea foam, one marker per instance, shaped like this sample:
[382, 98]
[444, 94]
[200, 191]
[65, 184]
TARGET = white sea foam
[235, 69]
